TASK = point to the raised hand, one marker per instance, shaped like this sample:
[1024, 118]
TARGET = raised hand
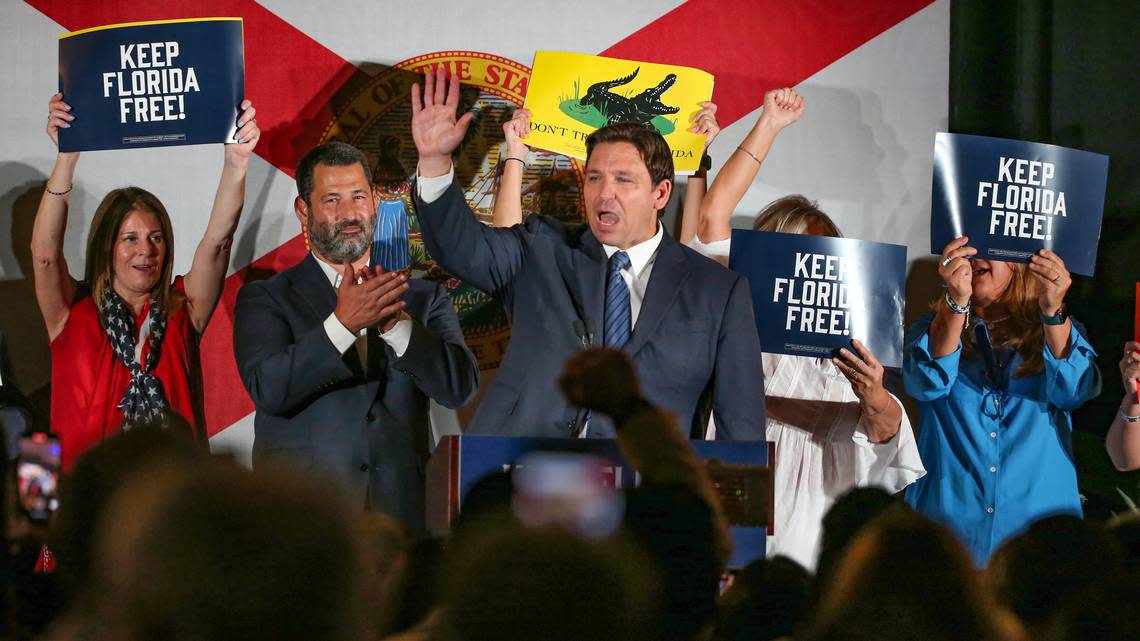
[602, 380]
[246, 137]
[59, 117]
[782, 107]
[375, 300]
[435, 129]
[955, 269]
[1053, 280]
[704, 122]
[515, 130]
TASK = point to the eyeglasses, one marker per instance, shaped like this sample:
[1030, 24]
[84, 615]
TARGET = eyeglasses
[993, 403]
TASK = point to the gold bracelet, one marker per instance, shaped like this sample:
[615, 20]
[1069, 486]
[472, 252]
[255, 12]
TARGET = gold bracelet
[59, 193]
[741, 148]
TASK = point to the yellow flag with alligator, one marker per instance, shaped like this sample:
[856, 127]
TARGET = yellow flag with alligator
[572, 94]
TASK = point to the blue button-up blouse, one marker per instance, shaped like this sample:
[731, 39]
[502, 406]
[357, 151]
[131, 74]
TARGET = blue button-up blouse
[998, 453]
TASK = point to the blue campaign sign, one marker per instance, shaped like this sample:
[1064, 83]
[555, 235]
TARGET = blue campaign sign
[152, 84]
[1013, 198]
[814, 294]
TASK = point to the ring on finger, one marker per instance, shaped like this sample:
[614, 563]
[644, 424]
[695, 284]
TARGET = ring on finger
[946, 261]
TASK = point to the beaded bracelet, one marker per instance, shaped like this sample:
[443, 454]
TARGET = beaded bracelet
[955, 307]
[59, 193]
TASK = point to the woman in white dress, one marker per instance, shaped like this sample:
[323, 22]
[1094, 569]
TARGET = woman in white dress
[834, 423]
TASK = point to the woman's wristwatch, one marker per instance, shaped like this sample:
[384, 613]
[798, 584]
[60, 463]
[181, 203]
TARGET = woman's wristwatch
[1059, 318]
[1128, 419]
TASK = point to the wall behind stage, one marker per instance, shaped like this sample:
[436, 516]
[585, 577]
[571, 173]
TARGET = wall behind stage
[874, 76]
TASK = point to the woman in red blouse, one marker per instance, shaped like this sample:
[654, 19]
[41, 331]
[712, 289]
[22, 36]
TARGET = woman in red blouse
[124, 341]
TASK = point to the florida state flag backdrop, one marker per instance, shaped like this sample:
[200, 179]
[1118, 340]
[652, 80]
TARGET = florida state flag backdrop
[874, 78]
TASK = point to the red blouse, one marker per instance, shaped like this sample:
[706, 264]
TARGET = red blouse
[88, 381]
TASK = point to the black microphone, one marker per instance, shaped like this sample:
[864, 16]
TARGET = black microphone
[584, 330]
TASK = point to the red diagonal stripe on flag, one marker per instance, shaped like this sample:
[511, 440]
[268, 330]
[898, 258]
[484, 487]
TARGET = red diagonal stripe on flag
[762, 44]
[750, 47]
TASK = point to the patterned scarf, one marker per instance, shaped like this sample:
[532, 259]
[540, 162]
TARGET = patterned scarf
[143, 401]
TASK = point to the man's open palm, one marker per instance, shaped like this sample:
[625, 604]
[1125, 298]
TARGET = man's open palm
[434, 127]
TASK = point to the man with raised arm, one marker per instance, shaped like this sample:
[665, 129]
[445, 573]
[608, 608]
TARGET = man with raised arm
[619, 281]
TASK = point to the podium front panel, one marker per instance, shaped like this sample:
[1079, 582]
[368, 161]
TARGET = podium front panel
[461, 461]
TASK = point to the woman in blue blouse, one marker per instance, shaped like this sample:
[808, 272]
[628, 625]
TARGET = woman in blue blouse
[997, 368]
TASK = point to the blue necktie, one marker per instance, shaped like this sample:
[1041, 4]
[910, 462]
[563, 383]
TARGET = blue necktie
[618, 324]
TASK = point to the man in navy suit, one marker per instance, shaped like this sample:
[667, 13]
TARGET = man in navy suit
[685, 321]
[341, 358]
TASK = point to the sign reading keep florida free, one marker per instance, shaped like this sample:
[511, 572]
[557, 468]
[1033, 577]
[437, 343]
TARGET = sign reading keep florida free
[1013, 198]
[152, 84]
[812, 294]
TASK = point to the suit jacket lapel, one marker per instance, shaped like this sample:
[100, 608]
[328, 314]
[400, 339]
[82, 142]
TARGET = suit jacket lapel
[590, 277]
[319, 295]
[666, 279]
[315, 288]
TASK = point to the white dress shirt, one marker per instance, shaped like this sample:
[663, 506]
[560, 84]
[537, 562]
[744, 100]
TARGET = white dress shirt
[822, 447]
[342, 338]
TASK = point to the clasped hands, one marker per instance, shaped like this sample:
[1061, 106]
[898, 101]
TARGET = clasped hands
[370, 297]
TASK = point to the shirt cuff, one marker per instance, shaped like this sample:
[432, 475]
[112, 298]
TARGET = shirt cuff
[947, 363]
[1079, 350]
[892, 465]
[338, 334]
[398, 337]
[430, 189]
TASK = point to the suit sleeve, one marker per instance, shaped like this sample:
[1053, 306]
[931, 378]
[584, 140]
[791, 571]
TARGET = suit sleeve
[437, 358]
[483, 256]
[280, 371]
[738, 379]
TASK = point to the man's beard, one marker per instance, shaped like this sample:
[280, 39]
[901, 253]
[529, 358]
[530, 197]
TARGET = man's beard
[326, 239]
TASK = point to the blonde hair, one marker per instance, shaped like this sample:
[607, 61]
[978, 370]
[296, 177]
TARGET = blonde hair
[109, 217]
[793, 215]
